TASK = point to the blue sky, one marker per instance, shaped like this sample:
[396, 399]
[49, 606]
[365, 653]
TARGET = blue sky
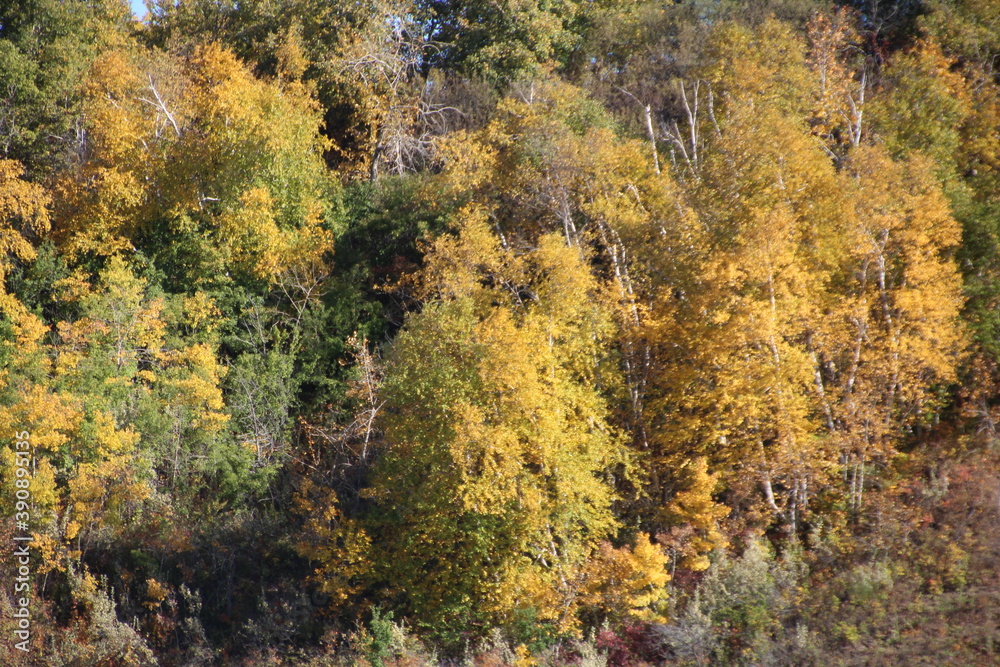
[138, 8]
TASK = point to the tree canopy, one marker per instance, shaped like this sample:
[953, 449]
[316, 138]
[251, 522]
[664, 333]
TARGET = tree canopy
[513, 333]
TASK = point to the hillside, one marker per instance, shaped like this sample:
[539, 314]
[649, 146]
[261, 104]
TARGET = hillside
[405, 333]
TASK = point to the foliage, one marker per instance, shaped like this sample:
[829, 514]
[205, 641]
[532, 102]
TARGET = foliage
[45, 48]
[496, 439]
[533, 333]
[258, 208]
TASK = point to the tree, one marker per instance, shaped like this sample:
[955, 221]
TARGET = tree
[732, 332]
[505, 41]
[923, 106]
[24, 217]
[840, 66]
[491, 488]
[550, 162]
[383, 73]
[694, 508]
[895, 337]
[628, 584]
[802, 279]
[45, 48]
[201, 166]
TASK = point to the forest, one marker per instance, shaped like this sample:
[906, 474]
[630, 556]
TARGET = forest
[499, 333]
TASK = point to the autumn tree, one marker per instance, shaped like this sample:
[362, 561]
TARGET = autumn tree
[45, 48]
[735, 372]
[843, 80]
[618, 289]
[896, 336]
[786, 246]
[551, 162]
[492, 489]
[24, 218]
[923, 106]
[696, 516]
[259, 207]
[734, 364]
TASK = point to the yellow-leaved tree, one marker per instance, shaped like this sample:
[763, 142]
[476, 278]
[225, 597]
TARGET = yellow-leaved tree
[493, 488]
[893, 337]
[733, 333]
[207, 169]
[817, 317]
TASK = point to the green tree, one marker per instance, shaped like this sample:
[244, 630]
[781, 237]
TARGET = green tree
[506, 41]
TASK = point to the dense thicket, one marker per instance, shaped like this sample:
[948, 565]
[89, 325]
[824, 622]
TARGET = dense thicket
[502, 332]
